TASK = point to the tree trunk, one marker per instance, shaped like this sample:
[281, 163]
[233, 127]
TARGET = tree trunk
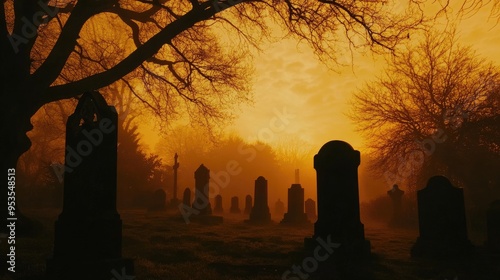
[15, 123]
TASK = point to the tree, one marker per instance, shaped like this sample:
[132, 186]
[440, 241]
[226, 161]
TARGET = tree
[173, 55]
[434, 110]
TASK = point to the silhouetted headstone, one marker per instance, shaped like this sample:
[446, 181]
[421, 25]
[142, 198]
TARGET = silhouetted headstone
[201, 202]
[158, 199]
[218, 205]
[396, 194]
[339, 220]
[295, 214]
[235, 205]
[88, 232]
[493, 224]
[186, 197]
[202, 210]
[260, 211]
[248, 205]
[442, 224]
[310, 208]
[175, 167]
[279, 208]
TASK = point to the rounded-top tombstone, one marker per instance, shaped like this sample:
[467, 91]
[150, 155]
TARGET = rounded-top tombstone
[201, 200]
[442, 223]
[339, 220]
[493, 227]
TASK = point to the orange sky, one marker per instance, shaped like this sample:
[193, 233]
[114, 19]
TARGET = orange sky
[289, 77]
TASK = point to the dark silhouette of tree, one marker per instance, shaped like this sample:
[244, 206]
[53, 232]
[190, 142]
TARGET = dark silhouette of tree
[173, 55]
[434, 110]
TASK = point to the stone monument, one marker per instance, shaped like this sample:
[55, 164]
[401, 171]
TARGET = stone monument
[260, 211]
[248, 205]
[218, 205]
[235, 205]
[339, 219]
[396, 194]
[88, 232]
[442, 224]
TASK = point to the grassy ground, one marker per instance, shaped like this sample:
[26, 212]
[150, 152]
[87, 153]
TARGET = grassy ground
[165, 247]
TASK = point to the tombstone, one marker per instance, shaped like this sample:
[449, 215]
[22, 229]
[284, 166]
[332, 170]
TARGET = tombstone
[175, 167]
[201, 201]
[295, 214]
[396, 194]
[186, 197]
[442, 224]
[248, 205]
[310, 208]
[157, 201]
[218, 205]
[201, 210]
[279, 208]
[339, 219]
[88, 232]
[493, 227]
[260, 211]
[235, 205]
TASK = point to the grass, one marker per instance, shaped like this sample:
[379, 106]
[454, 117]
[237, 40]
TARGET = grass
[165, 247]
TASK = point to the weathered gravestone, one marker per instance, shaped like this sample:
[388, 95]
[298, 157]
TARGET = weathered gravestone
[248, 205]
[442, 224]
[201, 211]
[88, 232]
[175, 167]
[201, 201]
[339, 220]
[279, 208]
[310, 208]
[493, 225]
[295, 214]
[186, 197]
[218, 205]
[235, 205]
[396, 194]
[157, 201]
[260, 211]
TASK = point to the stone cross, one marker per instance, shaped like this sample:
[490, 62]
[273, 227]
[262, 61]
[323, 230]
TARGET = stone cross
[175, 167]
[442, 224]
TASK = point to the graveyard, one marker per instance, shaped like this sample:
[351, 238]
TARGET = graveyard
[199, 239]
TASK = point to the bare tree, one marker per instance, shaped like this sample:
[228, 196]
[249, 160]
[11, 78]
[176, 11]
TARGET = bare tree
[434, 110]
[173, 55]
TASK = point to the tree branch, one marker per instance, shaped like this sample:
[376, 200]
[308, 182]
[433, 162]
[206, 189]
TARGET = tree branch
[127, 65]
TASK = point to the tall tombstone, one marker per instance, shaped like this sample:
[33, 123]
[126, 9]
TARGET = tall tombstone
[186, 197]
[279, 208]
[218, 205]
[339, 219]
[88, 232]
[493, 227]
[235, 205]
[201, 197]
[295, 214]
[157, 201]
[175, 167]
[396, 195]
[260, 211]
[442, 224]
[248, 205]
[310, 208]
